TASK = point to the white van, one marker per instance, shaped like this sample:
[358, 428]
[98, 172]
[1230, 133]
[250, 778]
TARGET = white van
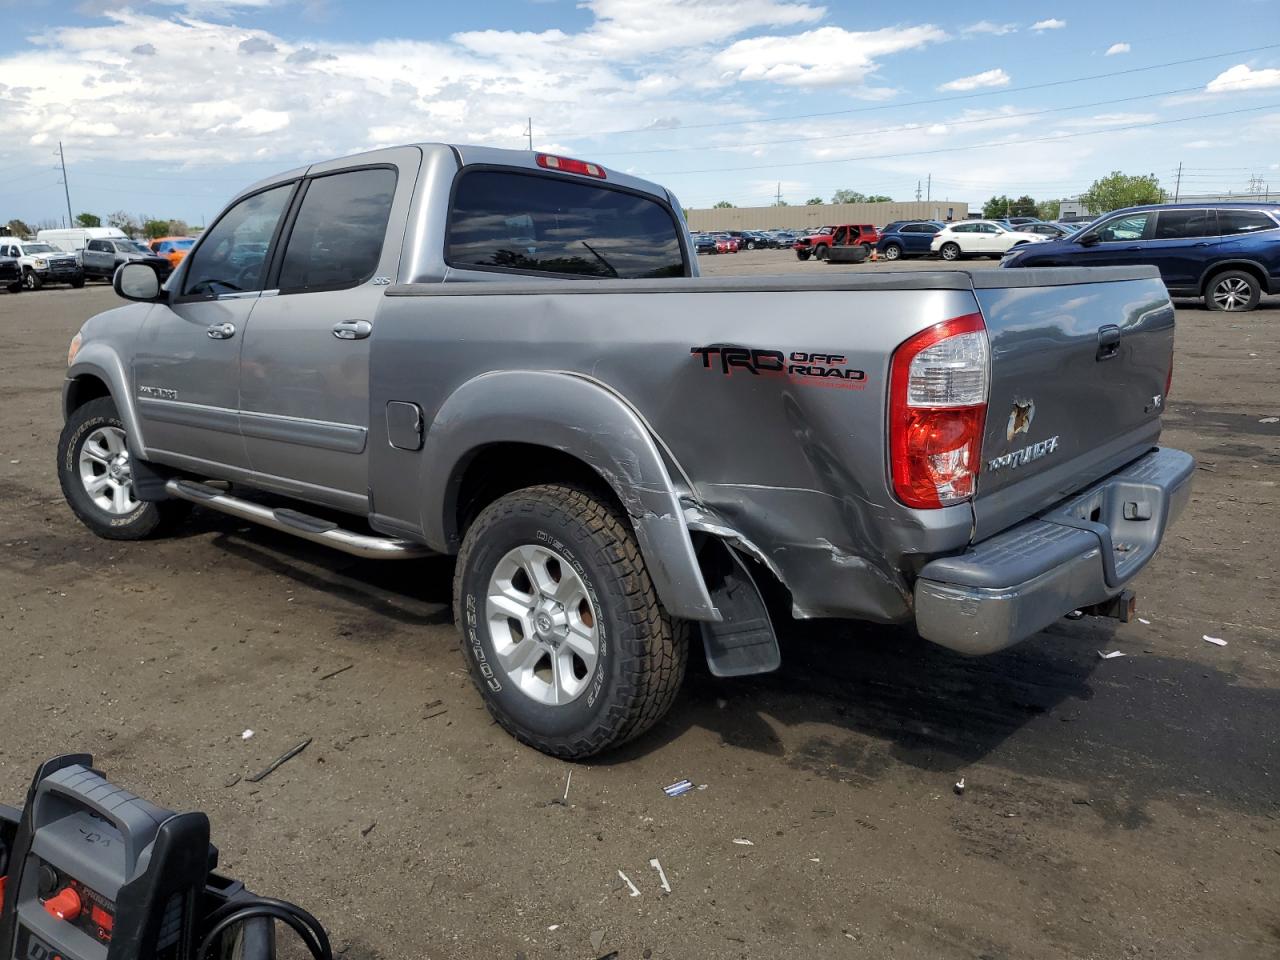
[74, 239]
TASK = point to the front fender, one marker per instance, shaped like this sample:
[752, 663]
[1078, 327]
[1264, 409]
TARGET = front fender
[576, 416]
[97, 359]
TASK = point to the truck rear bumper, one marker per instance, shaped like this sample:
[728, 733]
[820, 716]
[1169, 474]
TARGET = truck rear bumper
[1079, 553]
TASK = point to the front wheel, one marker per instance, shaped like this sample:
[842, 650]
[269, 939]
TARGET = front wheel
[561, 627]
[96, 475]
[78, 282]
[1233, 291]
[31, 281]
[950, 251]
[892, 252]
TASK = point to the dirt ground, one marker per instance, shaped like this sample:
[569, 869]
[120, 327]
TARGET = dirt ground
[1112, 808]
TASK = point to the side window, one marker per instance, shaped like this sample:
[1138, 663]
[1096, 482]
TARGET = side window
[1121, 229]
[337, 237]
[928, 228]
[963, 228]
[95, 246]
[1235, 222]
[542, 224]
[233, 256]
[1184, 224]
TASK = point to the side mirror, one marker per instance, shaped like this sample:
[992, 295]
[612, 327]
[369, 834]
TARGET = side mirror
[137, 281]
[1088, 239]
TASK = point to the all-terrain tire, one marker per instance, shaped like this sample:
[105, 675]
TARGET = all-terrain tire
[137, 522]
[642, 652]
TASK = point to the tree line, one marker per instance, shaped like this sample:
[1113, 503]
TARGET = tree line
[138, 227]
[1111, 192]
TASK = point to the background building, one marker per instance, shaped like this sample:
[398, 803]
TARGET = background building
[820, 214]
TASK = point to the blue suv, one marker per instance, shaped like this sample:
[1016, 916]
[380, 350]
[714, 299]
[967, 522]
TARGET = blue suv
[907, 238]
[1227, 253]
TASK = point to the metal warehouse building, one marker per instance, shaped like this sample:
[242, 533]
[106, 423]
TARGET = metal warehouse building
[810, 217]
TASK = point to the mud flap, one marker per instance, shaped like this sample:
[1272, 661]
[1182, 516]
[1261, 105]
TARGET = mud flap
[743, 642]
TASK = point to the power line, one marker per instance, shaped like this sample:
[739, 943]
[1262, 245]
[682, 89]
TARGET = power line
[932, 100]
[976, 146]
[898, 129]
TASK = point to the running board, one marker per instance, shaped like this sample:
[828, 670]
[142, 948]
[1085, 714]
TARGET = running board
[301, 525]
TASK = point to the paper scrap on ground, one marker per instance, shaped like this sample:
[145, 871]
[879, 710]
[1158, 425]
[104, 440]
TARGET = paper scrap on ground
[1147, 622]
[677, 788]
[635, 891]
[743, 842]
[1110, 654]
[1270, 420]
[1216, 641]
[662, 874]
[246, 735]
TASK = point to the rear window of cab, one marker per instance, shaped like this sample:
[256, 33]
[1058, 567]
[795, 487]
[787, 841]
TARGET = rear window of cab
[511, 221]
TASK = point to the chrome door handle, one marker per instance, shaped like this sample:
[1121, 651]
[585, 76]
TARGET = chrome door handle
[221, 331]
[352, 329]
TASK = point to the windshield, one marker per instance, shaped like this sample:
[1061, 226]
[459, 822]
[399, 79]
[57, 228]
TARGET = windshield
[131, 246]
[181, 244]
[38, 248]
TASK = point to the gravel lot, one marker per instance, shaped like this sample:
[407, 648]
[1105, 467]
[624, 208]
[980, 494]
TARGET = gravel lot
[1127, 807]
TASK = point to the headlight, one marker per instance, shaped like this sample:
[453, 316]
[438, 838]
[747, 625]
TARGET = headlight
[73, 349]
[39, 264]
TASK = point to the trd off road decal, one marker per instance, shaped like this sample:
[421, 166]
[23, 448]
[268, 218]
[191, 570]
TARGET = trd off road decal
[798, 366]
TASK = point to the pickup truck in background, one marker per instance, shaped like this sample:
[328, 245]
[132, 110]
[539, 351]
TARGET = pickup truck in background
[860, 238]
[509, 357]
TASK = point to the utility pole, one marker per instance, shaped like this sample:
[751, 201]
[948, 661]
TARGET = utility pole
[529, 132]
[66, 189]
[777, 200]
[1177, 184]
[917, 191]
[929, 194]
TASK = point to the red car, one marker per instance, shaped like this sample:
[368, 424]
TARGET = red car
[817, 244]
[726, 244]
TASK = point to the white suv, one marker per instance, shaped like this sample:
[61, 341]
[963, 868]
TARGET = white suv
[979, 238]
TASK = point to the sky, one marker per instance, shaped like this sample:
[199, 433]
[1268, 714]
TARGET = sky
[167, 108]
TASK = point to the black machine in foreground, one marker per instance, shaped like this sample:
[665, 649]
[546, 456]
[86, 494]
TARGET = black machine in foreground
[88, 871]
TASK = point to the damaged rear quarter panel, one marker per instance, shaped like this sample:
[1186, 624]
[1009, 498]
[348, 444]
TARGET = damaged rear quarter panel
[794, 465]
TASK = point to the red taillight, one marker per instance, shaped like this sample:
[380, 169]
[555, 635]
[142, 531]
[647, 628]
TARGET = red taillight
[569, 165]
[938, 386]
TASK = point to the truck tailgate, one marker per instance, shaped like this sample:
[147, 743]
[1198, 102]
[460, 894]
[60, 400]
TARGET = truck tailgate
[1079, 366]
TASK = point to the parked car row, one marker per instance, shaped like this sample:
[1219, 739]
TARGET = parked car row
[84, 253]
[731, 241]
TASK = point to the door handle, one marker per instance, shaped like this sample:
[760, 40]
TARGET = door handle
[1134, 247]
[352, 329]
[221, 331]
[1108, 342]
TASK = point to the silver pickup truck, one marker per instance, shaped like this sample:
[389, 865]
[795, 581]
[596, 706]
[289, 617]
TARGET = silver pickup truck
[509, 357]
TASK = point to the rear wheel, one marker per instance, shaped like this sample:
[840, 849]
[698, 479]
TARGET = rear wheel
[1233, 291]
[892, 252]
[950, 251]
[96, 475]
[802, 255]
[820, 251]
[562, 629]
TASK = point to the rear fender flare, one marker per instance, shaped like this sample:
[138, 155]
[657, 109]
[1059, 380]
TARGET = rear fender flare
[586, 420]
[1250, 266]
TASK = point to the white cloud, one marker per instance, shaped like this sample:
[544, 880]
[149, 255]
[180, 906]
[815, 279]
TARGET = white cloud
[995, 29]
[1241, 77]
[988, 78]
[822, 57]
[1053, 23]
[1117, 48]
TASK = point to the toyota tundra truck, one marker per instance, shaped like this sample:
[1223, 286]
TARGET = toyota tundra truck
[509, 357]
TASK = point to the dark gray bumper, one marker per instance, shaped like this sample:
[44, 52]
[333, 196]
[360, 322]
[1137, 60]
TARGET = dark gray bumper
[1079, 553]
